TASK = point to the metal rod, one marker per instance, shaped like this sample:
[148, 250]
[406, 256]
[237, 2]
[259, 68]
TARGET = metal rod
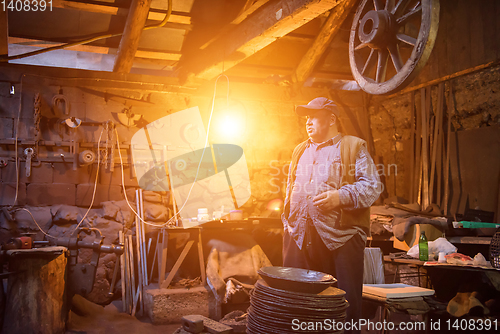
[122, 272]
[143, 240]
[137, 247]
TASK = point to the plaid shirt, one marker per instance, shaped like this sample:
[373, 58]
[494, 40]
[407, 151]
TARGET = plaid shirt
[319, 170]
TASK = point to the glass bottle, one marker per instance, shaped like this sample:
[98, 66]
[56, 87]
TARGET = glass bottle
[423, 247]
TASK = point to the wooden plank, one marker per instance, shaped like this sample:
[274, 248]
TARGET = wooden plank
[476, 33]
[153, 15]
[250, 7]
[162, 259]
[170, 277]
[425, 96]
[418, 156]
[122, 272]
[411, 196]
[132, 274]
[440, 46]
[4, 33]
[435, 143]
[458, 48]
[201, 259]
[268, 23]
[95, 49]
[329, 29]
[448, 142]
[489, 18]
[129, 42]
[128, 276]
[439, 161]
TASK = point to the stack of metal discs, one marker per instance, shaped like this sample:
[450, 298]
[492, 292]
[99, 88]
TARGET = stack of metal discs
[277, 311]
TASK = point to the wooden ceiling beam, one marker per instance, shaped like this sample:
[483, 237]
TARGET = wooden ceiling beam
[248, 9]
[132, 32]
[268, 23]
[329, 29]
[153, 15]
[95, 49]
[4, 34]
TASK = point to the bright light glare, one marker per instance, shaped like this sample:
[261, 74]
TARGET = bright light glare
[230, 127]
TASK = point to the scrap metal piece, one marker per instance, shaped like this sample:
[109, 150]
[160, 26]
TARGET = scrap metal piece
[191, 323]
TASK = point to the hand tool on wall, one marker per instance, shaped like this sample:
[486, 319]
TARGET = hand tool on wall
[29, 152]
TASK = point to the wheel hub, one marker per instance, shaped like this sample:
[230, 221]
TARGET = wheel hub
[376, 29]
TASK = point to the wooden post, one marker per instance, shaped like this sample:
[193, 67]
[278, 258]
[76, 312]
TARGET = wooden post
[36, 292]
[136, 20]
[4, 34]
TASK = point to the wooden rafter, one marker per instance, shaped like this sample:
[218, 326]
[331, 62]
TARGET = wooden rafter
[268, 23]
[95, 49]
[248, 9]
[329, 29]
[129, 42]
[153, 15]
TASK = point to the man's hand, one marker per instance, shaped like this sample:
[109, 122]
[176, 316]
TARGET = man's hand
[329, 200]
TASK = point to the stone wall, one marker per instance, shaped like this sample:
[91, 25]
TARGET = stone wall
[40, 108]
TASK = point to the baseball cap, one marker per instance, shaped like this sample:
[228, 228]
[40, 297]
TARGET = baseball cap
[318, 103]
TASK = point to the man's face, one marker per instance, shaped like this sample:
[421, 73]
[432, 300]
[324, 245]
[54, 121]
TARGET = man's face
[318, 125]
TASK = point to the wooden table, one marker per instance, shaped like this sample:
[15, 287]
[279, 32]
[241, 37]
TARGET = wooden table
[194, 238]
[412, 263]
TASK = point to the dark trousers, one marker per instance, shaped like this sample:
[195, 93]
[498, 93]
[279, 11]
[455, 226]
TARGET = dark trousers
[344, 263]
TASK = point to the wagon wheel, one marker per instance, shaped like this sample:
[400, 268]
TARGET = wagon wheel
[390, 42]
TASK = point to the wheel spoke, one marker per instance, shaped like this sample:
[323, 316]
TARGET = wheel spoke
[361, 46]
[381, 65]
[396, 57]
[377, 5]
[370, 62]
[407, 39]
[389, 5]
[400, 7]
[402, 20]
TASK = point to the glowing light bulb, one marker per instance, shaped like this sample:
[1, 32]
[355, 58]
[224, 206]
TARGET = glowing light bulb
[230, 127]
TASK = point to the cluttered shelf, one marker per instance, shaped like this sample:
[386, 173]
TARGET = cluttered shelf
[404, 223]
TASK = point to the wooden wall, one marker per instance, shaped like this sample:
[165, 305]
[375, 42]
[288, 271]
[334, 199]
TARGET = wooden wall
[468, 36]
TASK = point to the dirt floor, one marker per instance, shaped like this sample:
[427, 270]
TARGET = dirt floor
[89, 318]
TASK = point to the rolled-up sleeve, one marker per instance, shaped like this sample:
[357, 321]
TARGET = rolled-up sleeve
[367, 187]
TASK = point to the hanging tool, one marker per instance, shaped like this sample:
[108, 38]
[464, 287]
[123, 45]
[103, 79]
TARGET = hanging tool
[29, 152]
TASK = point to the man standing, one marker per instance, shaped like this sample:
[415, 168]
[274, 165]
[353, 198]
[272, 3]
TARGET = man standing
[331, 185]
